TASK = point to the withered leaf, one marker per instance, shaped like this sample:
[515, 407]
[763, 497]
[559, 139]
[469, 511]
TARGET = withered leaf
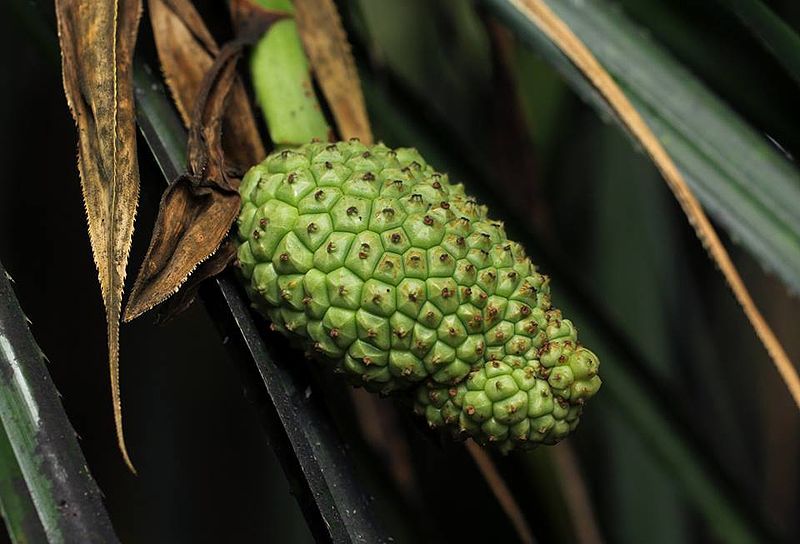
[328, 50]
[192, 222]
[97, 41]
[215, 265]
[251, 19]
[186, 51]
[198, 208]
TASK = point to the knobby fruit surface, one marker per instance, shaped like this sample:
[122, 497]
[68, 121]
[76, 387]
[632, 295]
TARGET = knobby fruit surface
[371, 259]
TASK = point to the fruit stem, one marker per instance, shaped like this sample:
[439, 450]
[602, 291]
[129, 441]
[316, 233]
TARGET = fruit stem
[282, 81]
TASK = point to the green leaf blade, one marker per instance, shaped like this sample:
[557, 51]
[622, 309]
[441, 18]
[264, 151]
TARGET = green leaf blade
[747, 185]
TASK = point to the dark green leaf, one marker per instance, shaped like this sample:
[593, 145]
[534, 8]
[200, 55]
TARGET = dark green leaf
[778, 37]
[45, 487]
[740, 177]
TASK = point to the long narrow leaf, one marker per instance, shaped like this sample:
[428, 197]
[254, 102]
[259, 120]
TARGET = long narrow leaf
[657, 419]
[41, 462]
[17, 508]
[537, 16]
[329, 54]
[742, 179]
[97, 41]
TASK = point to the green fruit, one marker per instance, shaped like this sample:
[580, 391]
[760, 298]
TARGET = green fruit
[373, 260]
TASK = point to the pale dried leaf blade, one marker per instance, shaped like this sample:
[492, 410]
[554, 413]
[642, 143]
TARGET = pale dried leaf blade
[186, 51]
[97, 41]
[188, 16]
[176, 44]
[328, 50]
[562, 36]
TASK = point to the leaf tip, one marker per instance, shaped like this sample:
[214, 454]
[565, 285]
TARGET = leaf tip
[124, 451]
[133, 308]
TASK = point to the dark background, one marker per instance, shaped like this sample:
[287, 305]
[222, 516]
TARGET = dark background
[207, 473]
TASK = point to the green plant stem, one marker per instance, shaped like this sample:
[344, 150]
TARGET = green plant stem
[40, 460]
[282, 81]
[19, 512]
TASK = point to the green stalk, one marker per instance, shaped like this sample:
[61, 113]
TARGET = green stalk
[46, 491]
[16, 505]
[282, 81]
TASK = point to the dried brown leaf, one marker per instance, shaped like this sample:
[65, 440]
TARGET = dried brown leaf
[192, 222]
[97, 41]
[215, 265]
[187, 50]
[206, 156]
[251, 19]
[198, 208]
[332, 62]
[576, 51]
